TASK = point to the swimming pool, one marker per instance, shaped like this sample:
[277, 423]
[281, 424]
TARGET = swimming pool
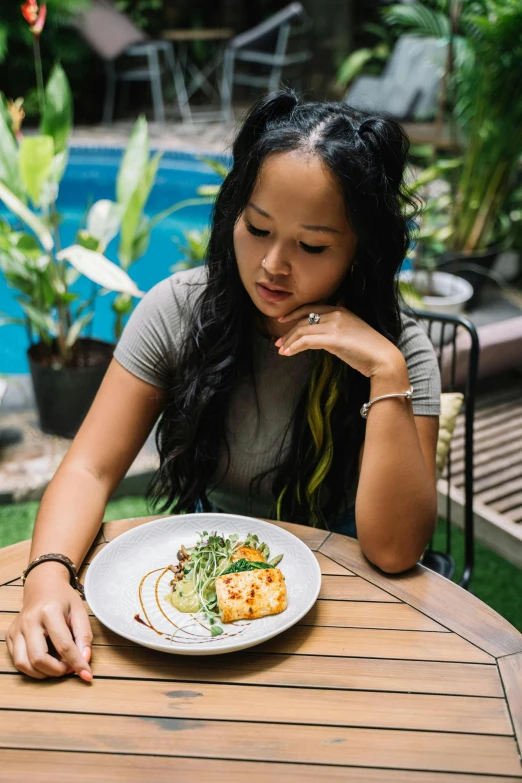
[91, 175]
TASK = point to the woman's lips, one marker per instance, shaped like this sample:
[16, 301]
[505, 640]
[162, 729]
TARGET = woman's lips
[271, 296]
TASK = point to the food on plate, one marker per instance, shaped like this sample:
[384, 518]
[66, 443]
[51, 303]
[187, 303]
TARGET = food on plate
[227, 580]
[249, 595]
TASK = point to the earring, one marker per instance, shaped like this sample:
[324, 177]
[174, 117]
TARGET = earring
[263, 262]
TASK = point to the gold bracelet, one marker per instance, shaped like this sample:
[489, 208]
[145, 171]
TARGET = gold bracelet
[64, 560]
[367, 405]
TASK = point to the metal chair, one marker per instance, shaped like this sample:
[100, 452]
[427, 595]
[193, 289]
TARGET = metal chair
[115, 38]
[459, 372]
[267, 46]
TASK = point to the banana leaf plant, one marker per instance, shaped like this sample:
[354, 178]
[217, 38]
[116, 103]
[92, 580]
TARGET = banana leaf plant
[32, 258]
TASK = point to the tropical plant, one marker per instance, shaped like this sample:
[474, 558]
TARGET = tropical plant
[31, 255]
[483, 74]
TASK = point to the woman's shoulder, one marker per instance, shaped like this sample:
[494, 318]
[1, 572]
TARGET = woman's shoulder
[413, 336]
[151, 340]
[179, 286]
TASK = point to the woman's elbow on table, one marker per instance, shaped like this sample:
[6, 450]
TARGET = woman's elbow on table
[396, 557]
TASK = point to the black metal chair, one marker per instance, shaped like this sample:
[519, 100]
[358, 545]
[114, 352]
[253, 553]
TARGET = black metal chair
[458, 364]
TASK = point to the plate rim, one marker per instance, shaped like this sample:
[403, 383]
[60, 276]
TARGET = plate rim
[214, 650]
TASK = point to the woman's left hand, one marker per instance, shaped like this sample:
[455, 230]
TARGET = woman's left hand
[341, 333]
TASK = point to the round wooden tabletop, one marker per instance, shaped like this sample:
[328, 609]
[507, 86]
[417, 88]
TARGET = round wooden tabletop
[403, 678]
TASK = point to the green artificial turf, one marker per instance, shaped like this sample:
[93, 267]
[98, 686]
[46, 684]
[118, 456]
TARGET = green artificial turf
[494, 581]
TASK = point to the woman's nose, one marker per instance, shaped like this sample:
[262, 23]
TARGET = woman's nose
[276, 263]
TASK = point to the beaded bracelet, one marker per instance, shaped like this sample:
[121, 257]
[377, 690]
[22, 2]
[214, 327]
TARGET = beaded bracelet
[66, 561]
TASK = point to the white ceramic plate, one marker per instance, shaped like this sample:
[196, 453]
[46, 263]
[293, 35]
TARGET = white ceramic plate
[112, 584]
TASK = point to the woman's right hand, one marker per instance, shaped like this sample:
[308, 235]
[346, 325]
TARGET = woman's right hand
[52, 610]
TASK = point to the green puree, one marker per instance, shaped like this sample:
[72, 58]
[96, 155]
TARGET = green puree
[185, 598]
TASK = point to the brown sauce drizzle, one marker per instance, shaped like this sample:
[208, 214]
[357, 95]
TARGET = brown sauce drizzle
[170, 636]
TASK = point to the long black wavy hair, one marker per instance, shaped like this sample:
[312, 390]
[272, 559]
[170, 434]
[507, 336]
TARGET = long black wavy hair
[367, 155]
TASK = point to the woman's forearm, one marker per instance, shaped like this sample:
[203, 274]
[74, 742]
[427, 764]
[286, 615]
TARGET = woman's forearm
[396, 506]
[70, 514]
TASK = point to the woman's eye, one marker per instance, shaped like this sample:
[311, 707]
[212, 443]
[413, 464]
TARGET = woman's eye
[314, 249]
[257, 232]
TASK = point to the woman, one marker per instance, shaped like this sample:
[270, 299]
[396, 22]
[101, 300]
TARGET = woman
[258, 365]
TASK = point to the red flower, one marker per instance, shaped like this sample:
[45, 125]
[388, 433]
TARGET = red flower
[34, 16]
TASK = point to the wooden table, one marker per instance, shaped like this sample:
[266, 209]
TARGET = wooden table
[401, 679]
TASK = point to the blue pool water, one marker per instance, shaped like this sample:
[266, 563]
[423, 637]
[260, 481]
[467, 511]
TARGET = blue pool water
[91, 175]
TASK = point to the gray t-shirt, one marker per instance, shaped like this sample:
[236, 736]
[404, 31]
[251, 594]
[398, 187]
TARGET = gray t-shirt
[149, 348]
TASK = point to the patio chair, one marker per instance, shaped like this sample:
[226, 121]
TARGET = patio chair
[267, 49]
[410, 83]
[116, 39]
[443, 331]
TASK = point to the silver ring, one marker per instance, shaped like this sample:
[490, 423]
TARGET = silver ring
[314, 318]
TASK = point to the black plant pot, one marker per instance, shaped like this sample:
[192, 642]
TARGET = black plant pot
[473, 267]
[65, 394]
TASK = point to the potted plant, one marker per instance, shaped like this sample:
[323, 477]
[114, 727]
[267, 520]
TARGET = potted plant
[66, 368]
[483, 74]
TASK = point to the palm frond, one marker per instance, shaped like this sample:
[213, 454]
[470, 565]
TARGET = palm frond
[420, 19]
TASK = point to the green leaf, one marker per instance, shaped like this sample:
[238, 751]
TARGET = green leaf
[36, 160]
[9, 172]
[208, 190]
[216, 630]
[134, 163]
[18, 208]
[219, 168]
[132, 219]
[99, 269]
[353, 65]
[141, 240]
[76, 328]
[7, 320]
[103, 221]
[41, 320]
[122, 305]
[84, 239]
[57, 117]
[419, 19]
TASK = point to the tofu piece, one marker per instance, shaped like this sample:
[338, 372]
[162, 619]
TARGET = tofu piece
[251, 594]
[248, 553]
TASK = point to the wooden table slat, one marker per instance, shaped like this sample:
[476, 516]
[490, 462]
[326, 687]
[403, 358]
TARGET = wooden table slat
[436, 596]
[314, 706]
[356, 642]
[344, 614]
[511, 673]
[299, 671]
[397, 749]
[329, 566]
[14, 559]
[54, 767]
